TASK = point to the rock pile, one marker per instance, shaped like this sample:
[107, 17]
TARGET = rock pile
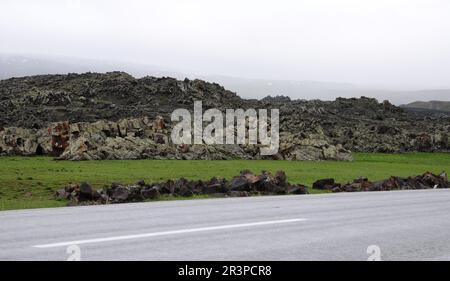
[426, 181]
[245, 184]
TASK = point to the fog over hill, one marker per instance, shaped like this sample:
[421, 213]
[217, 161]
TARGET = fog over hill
[25, 65]
[429, 105]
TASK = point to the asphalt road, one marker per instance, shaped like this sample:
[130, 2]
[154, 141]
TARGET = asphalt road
[403, 225]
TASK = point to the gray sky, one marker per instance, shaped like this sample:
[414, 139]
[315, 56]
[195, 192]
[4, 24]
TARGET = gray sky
[392, 43]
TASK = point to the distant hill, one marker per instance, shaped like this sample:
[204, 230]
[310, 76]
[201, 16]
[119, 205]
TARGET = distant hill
[429, 105]
[28, 65]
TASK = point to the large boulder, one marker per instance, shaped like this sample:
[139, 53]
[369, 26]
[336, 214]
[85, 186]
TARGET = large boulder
[19, 141]
[239, 183]
[150, 193]
[120, 194]
[324, 184]
[85, 192]
[214, 186]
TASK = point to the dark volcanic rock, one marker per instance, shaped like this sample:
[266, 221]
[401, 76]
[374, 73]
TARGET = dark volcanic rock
[281, 178]
[86, 192]
[140, 182]
[236, 193]
[150, 193]
[324, 184]
[240, 186]
[36, 101]
[120, 194]
[426, 181]
[239, 183]
[215, 186]
[115, 103]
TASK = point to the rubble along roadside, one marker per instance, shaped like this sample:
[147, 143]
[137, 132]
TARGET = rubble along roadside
[244, 185]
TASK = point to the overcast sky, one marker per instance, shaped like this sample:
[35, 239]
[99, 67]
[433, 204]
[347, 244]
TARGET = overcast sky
[392, 43]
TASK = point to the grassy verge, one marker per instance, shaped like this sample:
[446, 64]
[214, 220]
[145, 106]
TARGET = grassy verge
[29, 182]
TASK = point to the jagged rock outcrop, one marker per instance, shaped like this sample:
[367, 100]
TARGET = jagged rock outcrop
[142, 138]
[308, 129]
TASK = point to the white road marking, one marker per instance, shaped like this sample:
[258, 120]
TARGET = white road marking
[163, 233]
